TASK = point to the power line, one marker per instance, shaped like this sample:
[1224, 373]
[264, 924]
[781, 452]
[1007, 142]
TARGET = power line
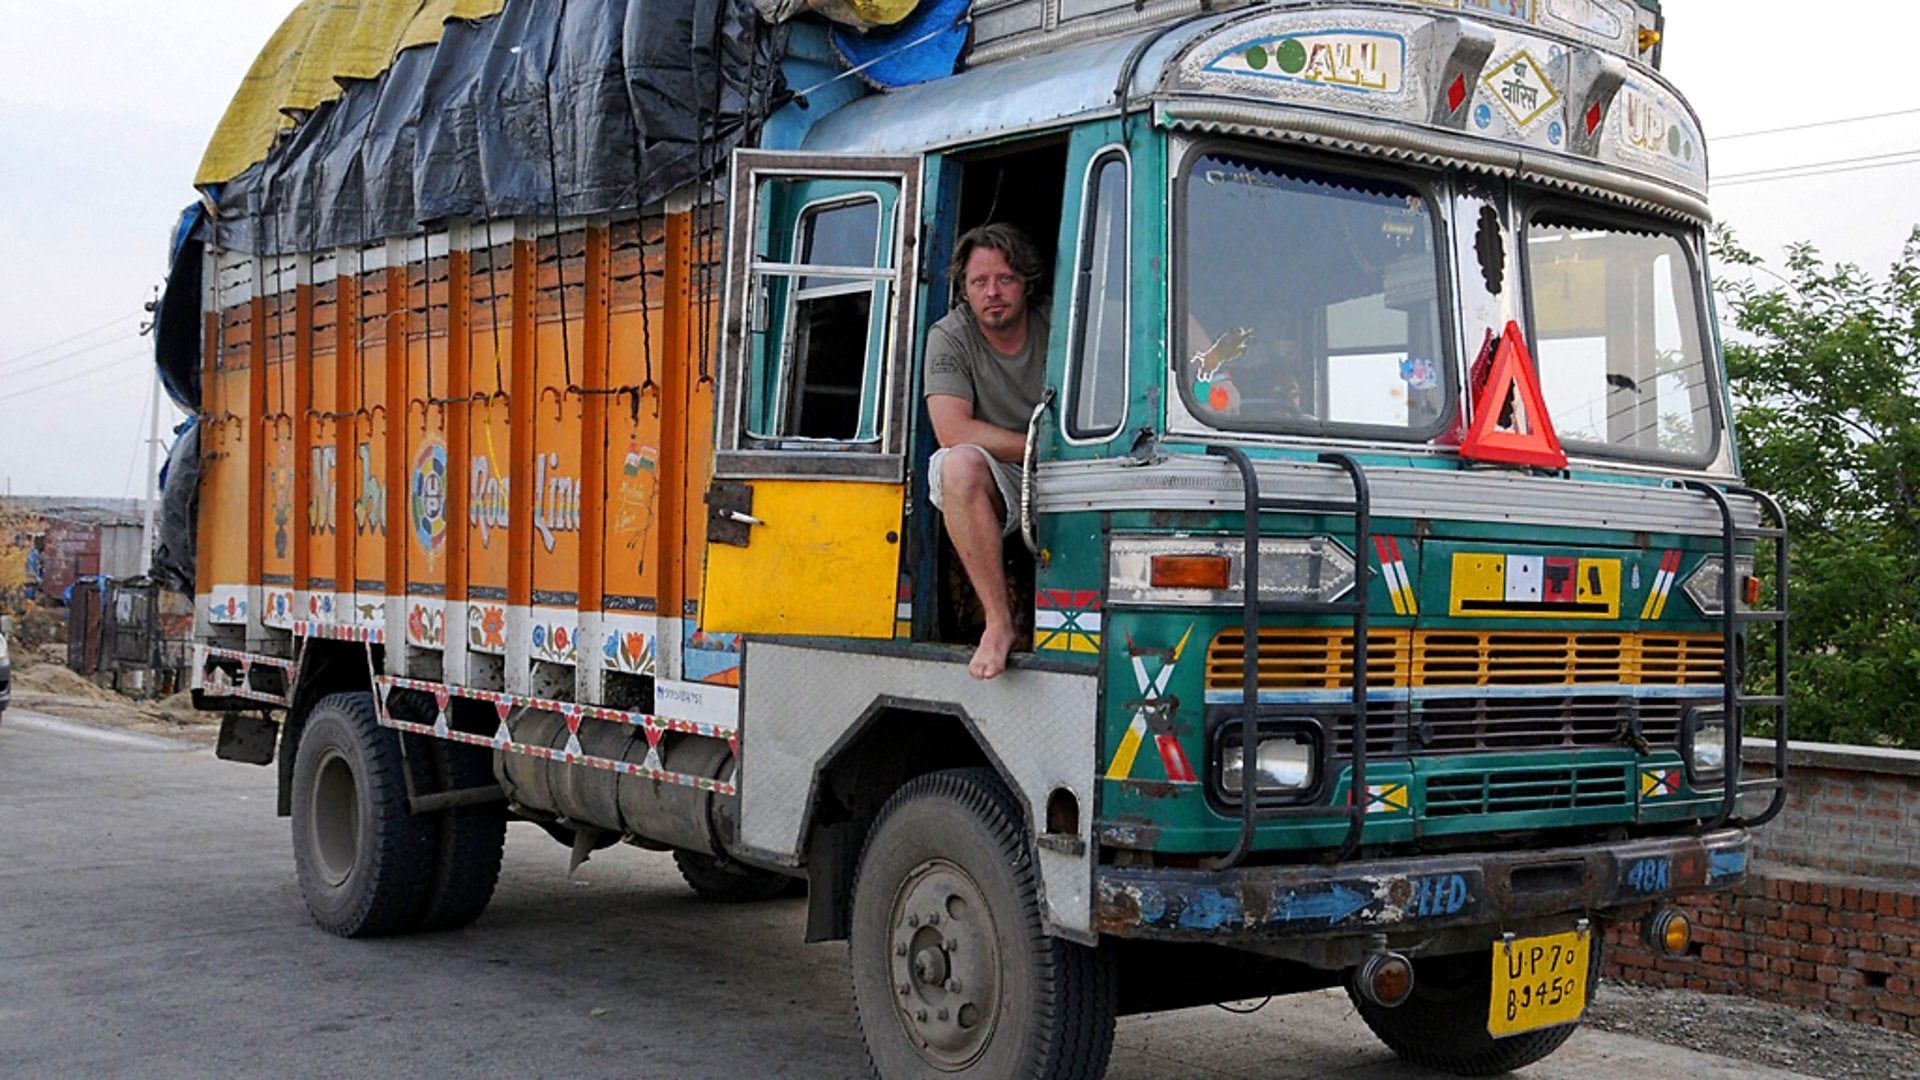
[49, 361]
[1822, 172]
[1818, 164]
[1814, 124]
[76, 337]
[81, 374]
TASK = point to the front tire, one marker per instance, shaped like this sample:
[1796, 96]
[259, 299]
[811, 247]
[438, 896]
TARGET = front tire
[364, 862]
[952, 973]
[1443, 1024]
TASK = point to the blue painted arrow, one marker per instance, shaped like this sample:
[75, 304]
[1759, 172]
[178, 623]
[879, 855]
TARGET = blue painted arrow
[1336, 903]
[1724, 864]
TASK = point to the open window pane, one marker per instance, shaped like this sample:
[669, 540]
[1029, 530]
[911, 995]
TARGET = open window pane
[815, 373]
[1616, 320]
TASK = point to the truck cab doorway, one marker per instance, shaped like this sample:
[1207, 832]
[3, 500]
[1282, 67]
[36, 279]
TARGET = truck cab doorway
[1022, 186]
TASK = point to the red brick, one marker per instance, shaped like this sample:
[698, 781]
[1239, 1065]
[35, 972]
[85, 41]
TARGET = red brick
[1820, 936]
[1858, 921]
[1899, 984]
[1808, 914]
[1850, 996]
[1906, 905]
[1803, 988]
[1824, 973]
[1712, 954]
[1817, 894]
[1905, 1005]
[1804, 970]
[1879, 963]
[1780, 965]
[1799, 931]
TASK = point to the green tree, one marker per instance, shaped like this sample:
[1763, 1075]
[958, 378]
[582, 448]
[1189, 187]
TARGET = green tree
[1824, 362]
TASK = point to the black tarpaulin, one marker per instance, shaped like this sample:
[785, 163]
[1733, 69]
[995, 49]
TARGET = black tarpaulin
[173, 553]
[552, 107]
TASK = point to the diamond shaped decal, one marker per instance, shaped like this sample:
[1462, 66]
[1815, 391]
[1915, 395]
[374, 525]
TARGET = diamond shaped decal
[1457, 93]
[1593, 117]
[1522, 86]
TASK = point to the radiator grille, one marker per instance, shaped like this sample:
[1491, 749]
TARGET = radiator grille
[1473, 725]
[1310, 659]
[1507, 791]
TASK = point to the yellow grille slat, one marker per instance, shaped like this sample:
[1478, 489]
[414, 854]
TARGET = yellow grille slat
[1309, 659]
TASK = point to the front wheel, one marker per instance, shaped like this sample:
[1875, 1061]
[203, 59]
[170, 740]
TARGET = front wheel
[365, 864]
[1443, 1024]
[952, 973]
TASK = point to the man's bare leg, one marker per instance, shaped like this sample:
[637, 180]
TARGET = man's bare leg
[973, 523]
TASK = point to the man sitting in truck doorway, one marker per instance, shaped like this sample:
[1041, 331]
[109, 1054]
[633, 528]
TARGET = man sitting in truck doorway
[986, 370]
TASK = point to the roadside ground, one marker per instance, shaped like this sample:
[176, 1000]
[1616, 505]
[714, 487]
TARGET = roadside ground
[1711, 1034]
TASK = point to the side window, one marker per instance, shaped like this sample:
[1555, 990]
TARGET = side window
[1100, 326]
[823, 374]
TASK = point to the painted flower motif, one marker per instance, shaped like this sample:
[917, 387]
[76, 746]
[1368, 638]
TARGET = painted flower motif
[494, 626]
[560, 638]
[539, 637]
[612, 647]
[417, 624]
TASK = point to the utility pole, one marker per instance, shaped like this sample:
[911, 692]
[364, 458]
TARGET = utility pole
[151, 502]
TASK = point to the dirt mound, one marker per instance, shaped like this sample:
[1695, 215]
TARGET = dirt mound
[178, 709]
[53, 679]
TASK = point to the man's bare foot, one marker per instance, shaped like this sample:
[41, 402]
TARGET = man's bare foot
[990, 658]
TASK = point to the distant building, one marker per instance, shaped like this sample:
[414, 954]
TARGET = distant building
[48, 542]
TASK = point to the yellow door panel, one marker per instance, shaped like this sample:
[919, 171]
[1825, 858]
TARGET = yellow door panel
[824, 560]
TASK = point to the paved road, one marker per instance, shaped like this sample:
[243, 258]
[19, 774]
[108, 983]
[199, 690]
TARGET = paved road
[150, 926]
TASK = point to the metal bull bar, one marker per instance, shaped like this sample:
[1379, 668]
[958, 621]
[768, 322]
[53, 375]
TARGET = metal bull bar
[1253, 607]
[1734, 702]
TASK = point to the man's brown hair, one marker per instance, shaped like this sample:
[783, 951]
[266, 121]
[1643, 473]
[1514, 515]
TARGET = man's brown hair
[1006, 239]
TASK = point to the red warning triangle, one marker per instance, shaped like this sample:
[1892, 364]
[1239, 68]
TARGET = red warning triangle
[1510, 422]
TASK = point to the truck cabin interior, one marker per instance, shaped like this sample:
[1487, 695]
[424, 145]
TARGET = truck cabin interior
[1022, 185]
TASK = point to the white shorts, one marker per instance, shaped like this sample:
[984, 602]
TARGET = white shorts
[1006, 477]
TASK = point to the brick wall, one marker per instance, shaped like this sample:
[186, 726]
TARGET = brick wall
[1829, 916]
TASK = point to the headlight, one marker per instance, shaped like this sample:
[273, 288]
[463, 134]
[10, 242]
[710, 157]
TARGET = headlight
[1286, 764]
[1207, 570]
[1703, 585]
[1707, 746]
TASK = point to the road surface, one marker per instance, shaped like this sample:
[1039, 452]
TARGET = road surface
[150, 925]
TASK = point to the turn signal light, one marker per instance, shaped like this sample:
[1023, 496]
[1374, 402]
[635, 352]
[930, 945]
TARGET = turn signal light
[1384, 978]
[1189, 572]
[1669, 932]
[1750, 590]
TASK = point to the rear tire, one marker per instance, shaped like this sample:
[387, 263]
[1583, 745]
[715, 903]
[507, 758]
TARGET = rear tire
[365, 864]
[730, 882]
[952, 973]
[469, 840]
[1443, 1025]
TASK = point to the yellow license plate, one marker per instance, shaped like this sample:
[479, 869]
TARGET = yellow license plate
[1538, 982]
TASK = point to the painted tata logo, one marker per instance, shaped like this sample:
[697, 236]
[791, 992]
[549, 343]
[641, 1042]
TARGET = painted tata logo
[427, 496]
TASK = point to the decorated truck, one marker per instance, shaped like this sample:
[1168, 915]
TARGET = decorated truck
[1393, 613]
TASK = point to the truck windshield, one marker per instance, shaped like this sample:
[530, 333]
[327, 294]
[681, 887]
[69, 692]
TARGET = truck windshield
[1309, 301]
[1618, 339]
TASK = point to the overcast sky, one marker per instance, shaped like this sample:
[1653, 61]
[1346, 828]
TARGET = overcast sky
[106, 106]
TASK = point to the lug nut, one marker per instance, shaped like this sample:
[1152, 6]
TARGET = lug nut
[921, 1016]
[953, 986]
[943, 1014]
[904, 989]
[913, 920]
[933, 919]
[900, 949]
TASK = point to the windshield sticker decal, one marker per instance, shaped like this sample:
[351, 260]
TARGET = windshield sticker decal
[1365, 61]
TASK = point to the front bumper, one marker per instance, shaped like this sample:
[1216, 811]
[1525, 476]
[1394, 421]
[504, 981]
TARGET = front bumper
[1413, 894]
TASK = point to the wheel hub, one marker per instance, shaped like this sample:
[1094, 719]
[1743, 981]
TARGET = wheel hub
[334, 818]
[945, 963]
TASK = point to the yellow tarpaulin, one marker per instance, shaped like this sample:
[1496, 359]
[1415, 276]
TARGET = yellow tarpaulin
[320, 43]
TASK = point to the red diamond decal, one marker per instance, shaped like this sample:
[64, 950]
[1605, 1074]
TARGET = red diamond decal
[1593, 117]
[1457, 93]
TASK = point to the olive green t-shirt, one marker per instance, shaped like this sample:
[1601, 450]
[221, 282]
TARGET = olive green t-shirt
[1003, 389]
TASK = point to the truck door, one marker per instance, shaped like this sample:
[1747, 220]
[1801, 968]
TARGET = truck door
[810, 463]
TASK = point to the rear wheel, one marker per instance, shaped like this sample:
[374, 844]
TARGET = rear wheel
[1443, 1024]
[364, 862]
[469, 839]
[952, 973]
[729, 882]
